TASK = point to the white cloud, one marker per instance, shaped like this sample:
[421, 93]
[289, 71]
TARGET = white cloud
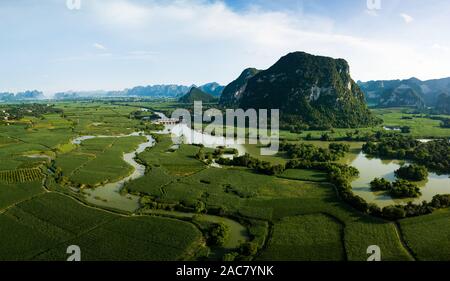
[120, 12]
[99, 46]
[201, 30]
[440, 47]
[407, 18]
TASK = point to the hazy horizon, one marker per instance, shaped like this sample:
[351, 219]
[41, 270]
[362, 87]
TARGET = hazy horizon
[118, 44]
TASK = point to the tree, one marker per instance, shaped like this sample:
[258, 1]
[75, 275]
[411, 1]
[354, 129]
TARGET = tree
[218, 234]
[380, 185]
[404, 189]
[325, 137]
[200, 155]
[200, 207]
[412, 172]
[393, 212]
[249, 249]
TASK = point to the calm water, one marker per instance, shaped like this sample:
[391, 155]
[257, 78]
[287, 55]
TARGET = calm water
[370, 168]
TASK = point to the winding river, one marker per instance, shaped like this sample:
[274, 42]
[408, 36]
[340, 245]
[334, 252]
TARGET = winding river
[109, 195]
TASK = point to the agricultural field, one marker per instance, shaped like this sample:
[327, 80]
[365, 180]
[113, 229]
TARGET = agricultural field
[47, 224]
[241, 192]
[421, 126]
[98, 160]
[304, 175]
[176, 162]
[11, 194]
[20, 175]
[92, 118]
[295, 215]
[428, 236]
[308, 237]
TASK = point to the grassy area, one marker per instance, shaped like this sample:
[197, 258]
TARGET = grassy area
[242, 192]
[428, 236]
[98, 160]
[304, 175]
[11, 194]
[99, 118]
[298, 213]
[176, 162]
[42, 229]
[21, 175]
[421, 127]
[360, 234]
[306, 238]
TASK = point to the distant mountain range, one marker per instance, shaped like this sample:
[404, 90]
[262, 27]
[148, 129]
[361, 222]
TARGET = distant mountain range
[308, 89]
[22, 96]
[311, 90]
[410, 92]
[155, 91]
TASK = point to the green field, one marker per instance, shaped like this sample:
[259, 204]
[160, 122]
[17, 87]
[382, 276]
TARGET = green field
[20, 175]
[421, 126]
[296, 215]
[304, 175]
[307, 238]
[11, 194]
[241, 192]
[50, 223]
[98, 160]
[428, 236]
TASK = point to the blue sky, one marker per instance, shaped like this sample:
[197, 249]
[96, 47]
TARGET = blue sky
[115, 44]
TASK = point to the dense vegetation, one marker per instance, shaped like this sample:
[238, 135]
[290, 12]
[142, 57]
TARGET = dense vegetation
[325, 96]
[17, 112]
[259, 208]
[234, 90]
[404, 189]
[412, 172]
[253, 163]
[443, 104]
[314, 153]
[434, 154]
[445, 123]
[398, 189]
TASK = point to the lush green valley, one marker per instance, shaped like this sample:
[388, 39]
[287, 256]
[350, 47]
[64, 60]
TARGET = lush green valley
[191, 204]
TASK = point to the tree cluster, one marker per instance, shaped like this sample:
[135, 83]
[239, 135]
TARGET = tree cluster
[398, 189]
[412, 172]
[435, 155]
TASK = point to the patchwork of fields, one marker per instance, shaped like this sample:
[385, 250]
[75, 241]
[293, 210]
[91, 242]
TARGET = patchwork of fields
[296, 215]
[98, 160]
[287, 204]
[43, 228]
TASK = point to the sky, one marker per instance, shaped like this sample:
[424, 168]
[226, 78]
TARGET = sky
[59, 45]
